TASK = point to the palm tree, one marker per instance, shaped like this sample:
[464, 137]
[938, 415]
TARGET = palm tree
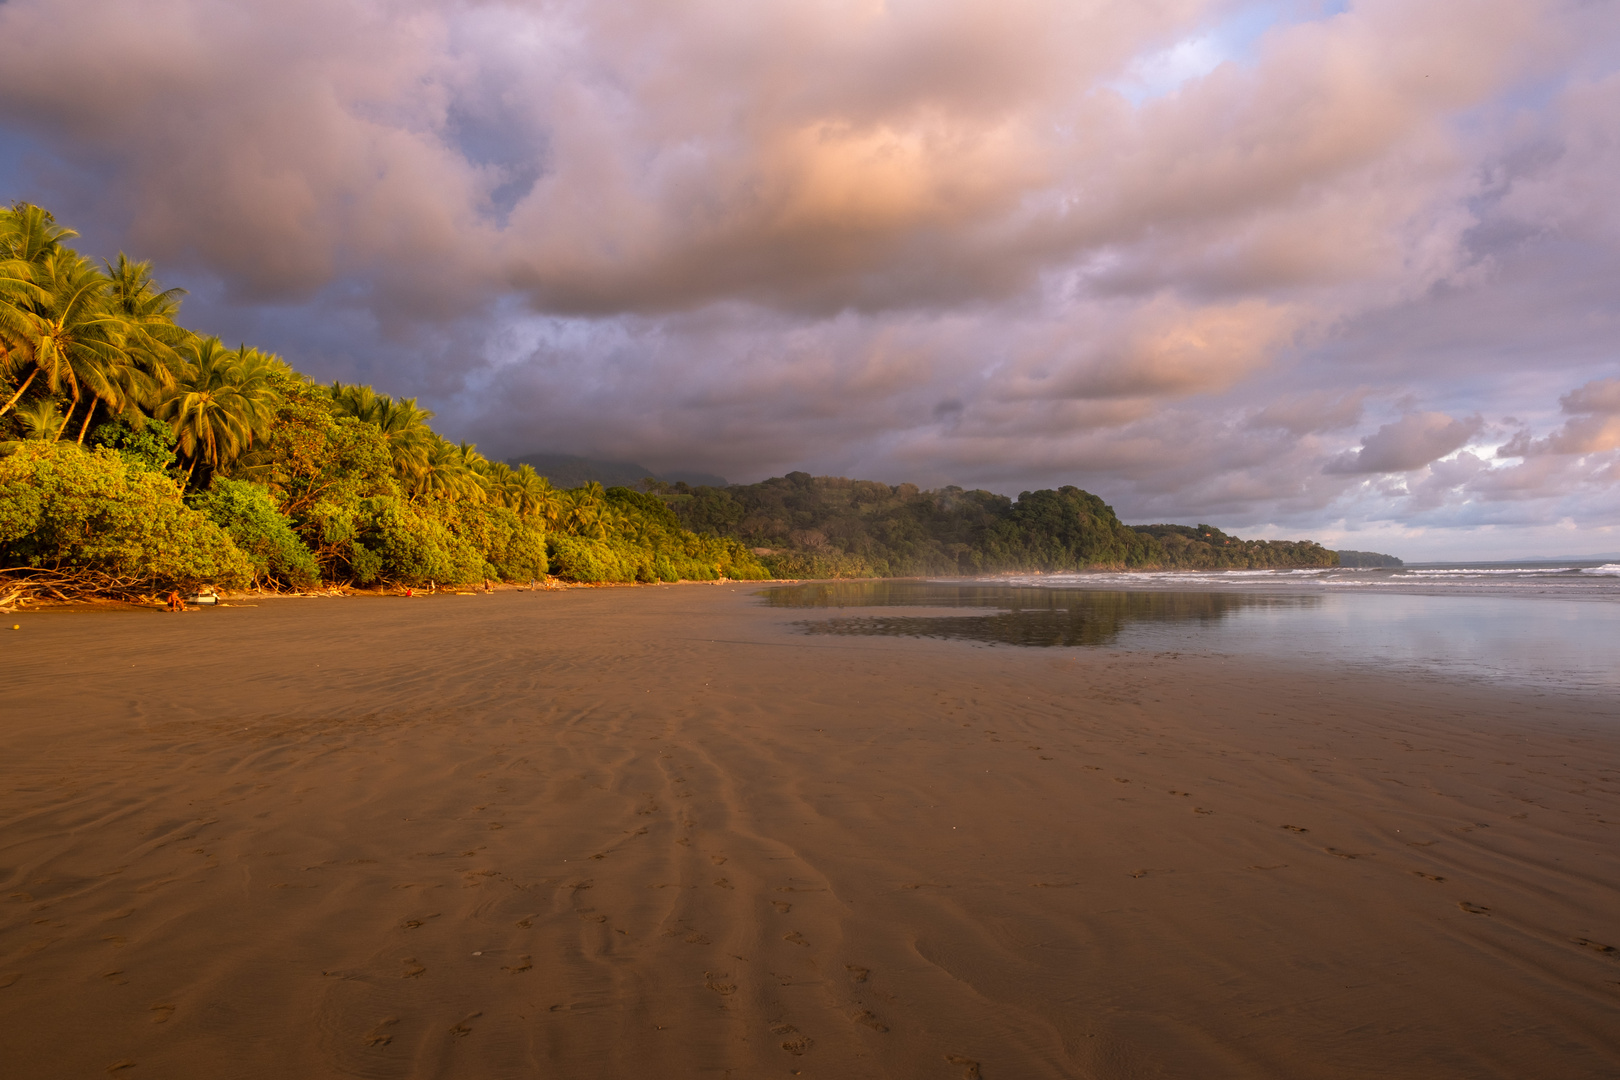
[41, 419]
[221, 403]
[19, 300]
[151, 334]
[74, 338]
[446, 475]
[585, 511]
[404, 425]
[532, 493]
[28, 235]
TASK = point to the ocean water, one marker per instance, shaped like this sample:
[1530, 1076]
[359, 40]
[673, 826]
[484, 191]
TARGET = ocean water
[1554, 626]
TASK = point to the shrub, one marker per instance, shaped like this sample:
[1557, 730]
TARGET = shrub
[401, 542]
[249, 516]
[580, 558]
[149, 446]
[64, 506]
[513, 547]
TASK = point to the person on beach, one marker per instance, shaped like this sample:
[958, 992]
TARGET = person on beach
[175, 603]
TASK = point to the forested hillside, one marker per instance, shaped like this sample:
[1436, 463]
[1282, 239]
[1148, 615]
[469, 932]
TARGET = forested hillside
[136, 455]
[825, 526]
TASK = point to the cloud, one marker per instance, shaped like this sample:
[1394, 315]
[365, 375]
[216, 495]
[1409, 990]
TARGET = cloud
[929, 241]
[1593, 427]
[1411, 442]
[1318, 411]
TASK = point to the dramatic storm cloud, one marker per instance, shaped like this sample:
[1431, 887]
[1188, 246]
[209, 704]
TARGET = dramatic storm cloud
[1297, 268]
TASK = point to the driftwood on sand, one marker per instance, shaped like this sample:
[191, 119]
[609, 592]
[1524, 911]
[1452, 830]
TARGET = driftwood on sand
[31, 586]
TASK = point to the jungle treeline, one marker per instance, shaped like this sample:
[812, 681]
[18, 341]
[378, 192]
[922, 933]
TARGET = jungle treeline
[826, 526]
[136, 456]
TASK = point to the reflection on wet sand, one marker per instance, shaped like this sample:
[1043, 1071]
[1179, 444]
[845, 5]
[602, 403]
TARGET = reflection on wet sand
[1024, 616]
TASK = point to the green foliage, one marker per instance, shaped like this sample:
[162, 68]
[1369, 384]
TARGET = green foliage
[388, 538]
[1367, 559]
[624, 535]
[249, 516]
[828, 526]
[581, 558]
[514, 547]
[816, 565]
[853, 528]
[149, 446]
[1204, 547]
[1066, 529]
[63, 506]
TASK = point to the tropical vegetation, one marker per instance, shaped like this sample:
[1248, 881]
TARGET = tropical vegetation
[143, 456]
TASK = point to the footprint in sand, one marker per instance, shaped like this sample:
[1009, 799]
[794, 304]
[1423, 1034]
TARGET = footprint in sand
[463, 1029]
[1429, 877]
[1595, 946]
[412, 968]
[117, 1065]
[796, 938]
[380, 1035]
[793, 1041]
[718, 860]
[594, 918]
[1294, 828]
[525, 963]
[1473, 909]
[717, 983]
[725, 884]
[161, 1013]
[857, 973]
[866, 1018]
[782, 906]
[970, 1068]
[1337, 854]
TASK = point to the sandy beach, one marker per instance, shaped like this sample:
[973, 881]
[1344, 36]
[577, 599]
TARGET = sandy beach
[659, 832]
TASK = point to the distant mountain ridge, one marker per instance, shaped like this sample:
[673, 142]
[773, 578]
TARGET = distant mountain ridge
[571, 471]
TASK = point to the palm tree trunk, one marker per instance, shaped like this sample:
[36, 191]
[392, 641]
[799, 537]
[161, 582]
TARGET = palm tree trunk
[7, 407]
[68, 419]
[84, 427]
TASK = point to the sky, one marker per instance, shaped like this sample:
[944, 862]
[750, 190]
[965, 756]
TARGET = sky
[1347, 271]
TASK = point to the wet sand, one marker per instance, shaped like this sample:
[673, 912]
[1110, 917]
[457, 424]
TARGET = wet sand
[657, 832]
